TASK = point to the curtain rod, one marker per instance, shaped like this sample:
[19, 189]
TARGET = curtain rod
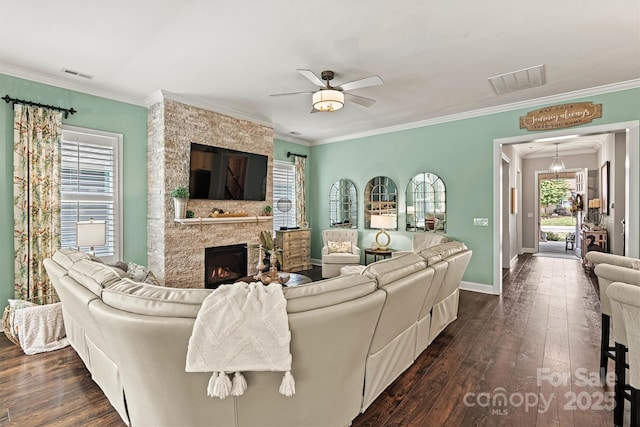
[289, 154]
[13, 101]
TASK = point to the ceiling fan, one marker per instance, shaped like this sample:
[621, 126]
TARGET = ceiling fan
[331, 98]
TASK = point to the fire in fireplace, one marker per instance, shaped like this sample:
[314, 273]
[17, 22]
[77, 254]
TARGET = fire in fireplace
[224, 264]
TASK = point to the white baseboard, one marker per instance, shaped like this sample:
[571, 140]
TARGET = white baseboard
[528, 250]
[476, 287]
[513, 262]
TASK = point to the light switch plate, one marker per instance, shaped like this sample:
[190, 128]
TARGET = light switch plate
[482, 222]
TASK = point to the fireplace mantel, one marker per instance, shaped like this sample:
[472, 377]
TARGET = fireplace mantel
[223, 220]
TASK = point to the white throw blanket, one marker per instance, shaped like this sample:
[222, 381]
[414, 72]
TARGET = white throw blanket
[241, 327]
[40, 328]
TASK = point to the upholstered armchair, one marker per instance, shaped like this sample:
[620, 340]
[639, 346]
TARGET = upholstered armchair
[423, 241]
[340, 249]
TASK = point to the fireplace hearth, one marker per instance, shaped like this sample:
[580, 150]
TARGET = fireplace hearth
[224, 264]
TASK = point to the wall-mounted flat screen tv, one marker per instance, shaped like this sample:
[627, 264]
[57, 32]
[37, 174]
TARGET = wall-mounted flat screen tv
[221, 174]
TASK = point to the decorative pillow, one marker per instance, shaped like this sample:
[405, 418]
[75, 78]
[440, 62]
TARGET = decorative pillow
[339, 247]
[140, 273]
[121, 265]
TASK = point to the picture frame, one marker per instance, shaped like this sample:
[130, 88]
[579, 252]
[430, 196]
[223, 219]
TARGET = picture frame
[604, 187]
[514, 200]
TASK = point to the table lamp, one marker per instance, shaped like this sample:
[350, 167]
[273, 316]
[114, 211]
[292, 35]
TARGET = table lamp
[91, 233]
[383, 222]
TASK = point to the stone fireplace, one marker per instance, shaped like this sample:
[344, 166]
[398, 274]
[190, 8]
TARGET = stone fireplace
[176, 250]
[224, 264]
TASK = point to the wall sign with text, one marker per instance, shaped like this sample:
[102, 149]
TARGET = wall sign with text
[561, 116]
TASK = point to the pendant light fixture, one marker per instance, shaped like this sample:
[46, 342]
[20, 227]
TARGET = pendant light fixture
[557, 165]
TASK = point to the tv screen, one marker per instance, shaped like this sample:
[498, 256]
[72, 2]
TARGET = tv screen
[221, 174]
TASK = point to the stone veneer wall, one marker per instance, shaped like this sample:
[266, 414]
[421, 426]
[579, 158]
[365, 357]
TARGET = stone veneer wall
[176, 252]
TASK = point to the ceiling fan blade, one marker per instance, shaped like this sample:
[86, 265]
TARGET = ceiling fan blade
[358, 84]
[360, 100]
[292, 93]
[312, 77]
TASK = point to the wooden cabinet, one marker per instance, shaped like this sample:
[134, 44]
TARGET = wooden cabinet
[296, 249]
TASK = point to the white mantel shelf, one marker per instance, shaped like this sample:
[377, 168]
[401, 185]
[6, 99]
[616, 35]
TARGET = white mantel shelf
[223, 220]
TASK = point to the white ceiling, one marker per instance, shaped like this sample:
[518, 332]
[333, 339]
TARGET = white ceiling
[434, 56]
[567, 146]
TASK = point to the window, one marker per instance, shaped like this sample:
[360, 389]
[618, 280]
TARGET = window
[284, 195]
[91, 186]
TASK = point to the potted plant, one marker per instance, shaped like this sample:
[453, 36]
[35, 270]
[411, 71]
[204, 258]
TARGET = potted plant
[180, 196]
[266, 238]
[267, 210]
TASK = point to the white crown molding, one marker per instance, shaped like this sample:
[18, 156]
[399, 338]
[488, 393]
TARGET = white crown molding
[160, 95]
[290, 138]
[567, 96]
[33, 76]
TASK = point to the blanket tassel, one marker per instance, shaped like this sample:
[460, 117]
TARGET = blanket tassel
[219, 385]
[288, 385]
[239, 385]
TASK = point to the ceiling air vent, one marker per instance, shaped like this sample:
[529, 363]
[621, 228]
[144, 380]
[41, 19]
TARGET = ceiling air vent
[77, 73]
[518, 80]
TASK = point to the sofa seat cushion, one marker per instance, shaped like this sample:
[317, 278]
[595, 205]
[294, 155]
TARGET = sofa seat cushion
[150, 300]
[95, 276]
[327, 292]
[341, 258]
[392, 269]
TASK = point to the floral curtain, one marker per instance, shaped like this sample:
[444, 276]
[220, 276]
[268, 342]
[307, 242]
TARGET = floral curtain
[301, 214]
[36, 197]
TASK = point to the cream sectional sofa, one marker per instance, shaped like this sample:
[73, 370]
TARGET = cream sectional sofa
[351, 337]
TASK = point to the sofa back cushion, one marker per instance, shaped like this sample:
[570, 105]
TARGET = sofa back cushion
[150, 300]
[393, 269]
[327, 292]
[442, 252]
[427, 240]
[66, 257]
[95, 276]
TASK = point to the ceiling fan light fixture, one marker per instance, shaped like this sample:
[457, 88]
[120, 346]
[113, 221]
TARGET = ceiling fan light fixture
[328, 100]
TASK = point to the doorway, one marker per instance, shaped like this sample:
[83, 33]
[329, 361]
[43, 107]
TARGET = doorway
[557, 216]
[629, 132]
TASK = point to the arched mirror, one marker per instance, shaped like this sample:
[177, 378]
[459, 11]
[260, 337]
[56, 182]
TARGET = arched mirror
[380, 198]
[343, 204]
[426, 204]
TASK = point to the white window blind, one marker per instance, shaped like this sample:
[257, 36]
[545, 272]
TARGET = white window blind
[284, 189]
[90, 187]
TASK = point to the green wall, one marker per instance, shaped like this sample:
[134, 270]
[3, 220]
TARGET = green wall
[95, 113]
[460, 152]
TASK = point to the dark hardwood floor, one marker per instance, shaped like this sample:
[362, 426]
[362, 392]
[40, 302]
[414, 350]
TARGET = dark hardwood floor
[527, 358]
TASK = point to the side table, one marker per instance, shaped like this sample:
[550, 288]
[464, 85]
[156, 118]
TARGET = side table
[384, 253]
